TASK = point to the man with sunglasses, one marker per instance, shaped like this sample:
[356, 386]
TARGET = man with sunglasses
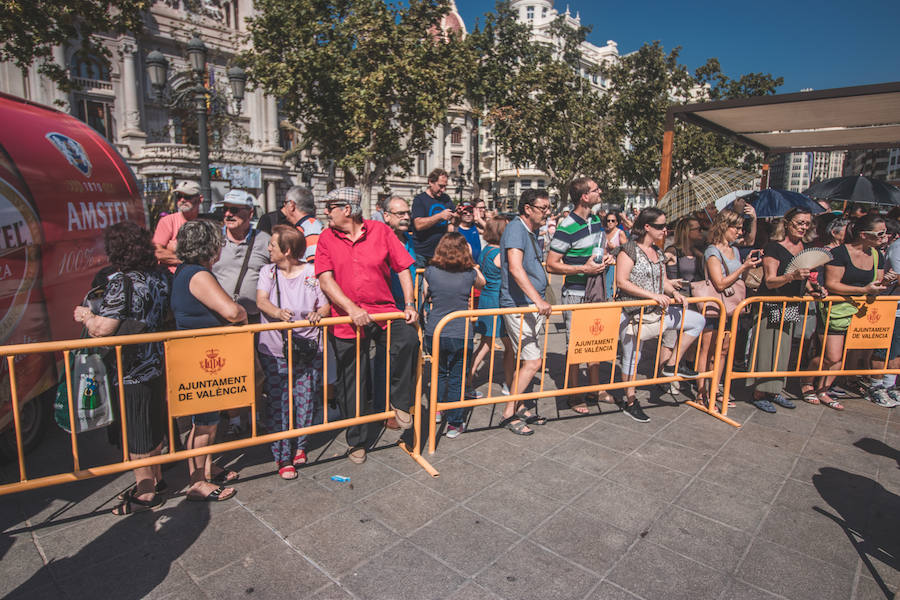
[187, 204]
[244, 254]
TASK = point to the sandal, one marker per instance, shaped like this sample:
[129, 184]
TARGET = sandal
[810, 397]
[161, 486]
[299, 458]
[517, 425]
[214, 496]
[578, 405]
[781, 400]
[531, 419]
[287, 471]
[604, 396]
[828, 401]
[224, 476]
[720, 398]
[131, 505]
[763, 404]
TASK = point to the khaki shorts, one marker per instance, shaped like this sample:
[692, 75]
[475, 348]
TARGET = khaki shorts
[532, 334]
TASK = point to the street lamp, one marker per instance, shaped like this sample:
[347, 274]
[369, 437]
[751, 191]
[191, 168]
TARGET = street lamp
[157, 67]
[460, 180]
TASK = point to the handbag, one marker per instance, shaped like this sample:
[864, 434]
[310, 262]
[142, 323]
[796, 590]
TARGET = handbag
[842, 313]
[303, 349]
[730, 296]
[91, 393]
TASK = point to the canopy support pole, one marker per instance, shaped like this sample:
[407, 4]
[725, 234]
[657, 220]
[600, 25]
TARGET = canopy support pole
[665, 171]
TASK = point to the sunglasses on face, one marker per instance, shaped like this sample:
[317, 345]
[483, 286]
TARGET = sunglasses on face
[657, 226]
[878, 234]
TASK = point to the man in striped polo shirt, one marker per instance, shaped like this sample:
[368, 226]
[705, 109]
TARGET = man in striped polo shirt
[571, 254]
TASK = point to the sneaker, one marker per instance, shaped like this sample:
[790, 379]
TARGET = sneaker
[454, 431]
[881, 397]
[783, 401]
[437, 417]
[895, 395]
[504, 389]
[635, 411]
[683, 371]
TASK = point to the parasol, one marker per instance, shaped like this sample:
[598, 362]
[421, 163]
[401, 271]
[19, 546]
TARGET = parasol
[703, 189]
[856, 189]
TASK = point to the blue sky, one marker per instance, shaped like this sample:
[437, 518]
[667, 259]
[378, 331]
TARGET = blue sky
[816, 45]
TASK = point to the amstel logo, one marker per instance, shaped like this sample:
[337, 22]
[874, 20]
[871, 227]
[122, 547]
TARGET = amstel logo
[597, 327]
[213, 363]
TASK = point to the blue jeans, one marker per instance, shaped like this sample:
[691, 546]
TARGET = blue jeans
[450, 374]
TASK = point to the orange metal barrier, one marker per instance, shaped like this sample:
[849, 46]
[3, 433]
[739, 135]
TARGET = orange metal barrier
[632, 381]
[116, 342]
[870, 329]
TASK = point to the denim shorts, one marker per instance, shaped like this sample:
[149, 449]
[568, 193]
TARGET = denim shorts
[210, 418]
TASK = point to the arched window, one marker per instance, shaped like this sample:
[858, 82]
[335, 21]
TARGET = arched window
[456, 135]
[90, 68]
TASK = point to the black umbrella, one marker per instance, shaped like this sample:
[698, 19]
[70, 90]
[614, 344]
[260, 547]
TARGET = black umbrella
[856, 189]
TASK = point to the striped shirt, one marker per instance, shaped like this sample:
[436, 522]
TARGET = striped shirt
[576, 239]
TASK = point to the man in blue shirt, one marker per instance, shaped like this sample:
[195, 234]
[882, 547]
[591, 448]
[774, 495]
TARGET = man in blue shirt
[523, 282]
[432, 216]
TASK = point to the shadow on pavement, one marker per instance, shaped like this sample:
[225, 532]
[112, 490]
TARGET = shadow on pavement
[871, 519]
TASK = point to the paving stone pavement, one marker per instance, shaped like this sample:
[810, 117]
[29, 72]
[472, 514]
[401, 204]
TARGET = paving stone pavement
[802, 504]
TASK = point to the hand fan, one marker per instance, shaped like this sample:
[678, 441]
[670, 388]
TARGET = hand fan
[811, 258]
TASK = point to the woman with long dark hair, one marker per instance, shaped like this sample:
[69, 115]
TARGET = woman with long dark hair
[138, 290]
[856, 269]
[449, 279]
[641, 275]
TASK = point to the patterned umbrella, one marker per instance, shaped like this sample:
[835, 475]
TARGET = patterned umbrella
[703, 189]
[857, 189]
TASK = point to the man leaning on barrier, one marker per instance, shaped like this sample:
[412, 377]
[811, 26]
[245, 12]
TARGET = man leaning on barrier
[523, 282]
[577, 251]
[354, 260]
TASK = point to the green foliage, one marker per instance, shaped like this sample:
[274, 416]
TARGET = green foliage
[541, 110]
[368, 81]
[29, 30]
[643, 85]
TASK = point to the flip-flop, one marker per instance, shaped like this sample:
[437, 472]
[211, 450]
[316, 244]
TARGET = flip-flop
[131, 505]
[213, 496]
[579, 406]
[224, 476]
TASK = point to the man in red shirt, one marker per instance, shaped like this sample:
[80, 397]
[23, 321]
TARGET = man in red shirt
[187, 200]
[354, 259]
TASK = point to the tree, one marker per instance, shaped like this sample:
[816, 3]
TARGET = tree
[30, 29]
[368, 82]
[643, 85]
[538, 99]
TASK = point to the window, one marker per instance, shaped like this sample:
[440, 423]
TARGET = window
[544, 12]
[91, 68]
[594, 78]
[529, 13]
[456, 136]
[422, 165]
[525, 184]
[97, 114]
[511, 188]
[541, 184]
[454, 164]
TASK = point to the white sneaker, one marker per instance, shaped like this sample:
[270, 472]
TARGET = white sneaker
[880, 396]
[504, 389]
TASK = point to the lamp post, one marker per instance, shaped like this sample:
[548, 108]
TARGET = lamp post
[460, 180]
[157, 67]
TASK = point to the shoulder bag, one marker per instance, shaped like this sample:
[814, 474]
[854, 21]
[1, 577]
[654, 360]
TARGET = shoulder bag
[303, 349]
[731, 296]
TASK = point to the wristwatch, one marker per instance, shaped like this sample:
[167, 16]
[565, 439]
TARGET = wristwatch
[411, 304]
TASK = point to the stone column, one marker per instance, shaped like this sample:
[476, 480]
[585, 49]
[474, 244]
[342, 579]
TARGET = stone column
[131, 132]
[271, 200]
[271, 127]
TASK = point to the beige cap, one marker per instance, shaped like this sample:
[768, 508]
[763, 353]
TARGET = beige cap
[187, 188]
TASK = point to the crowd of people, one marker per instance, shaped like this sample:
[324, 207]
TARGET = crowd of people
[291, 268]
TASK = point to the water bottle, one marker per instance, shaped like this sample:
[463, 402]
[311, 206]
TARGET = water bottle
[90, 397]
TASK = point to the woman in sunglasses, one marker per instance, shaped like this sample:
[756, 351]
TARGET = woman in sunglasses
[615, 238]
[857, 269]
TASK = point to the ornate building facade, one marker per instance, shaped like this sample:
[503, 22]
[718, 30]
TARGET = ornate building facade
[157, 133]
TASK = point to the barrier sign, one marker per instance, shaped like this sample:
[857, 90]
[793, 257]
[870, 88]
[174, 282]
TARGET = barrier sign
[873, 326]
[594, 335]
[210, 373]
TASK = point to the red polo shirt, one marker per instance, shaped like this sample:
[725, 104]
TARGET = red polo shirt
[362, 269]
